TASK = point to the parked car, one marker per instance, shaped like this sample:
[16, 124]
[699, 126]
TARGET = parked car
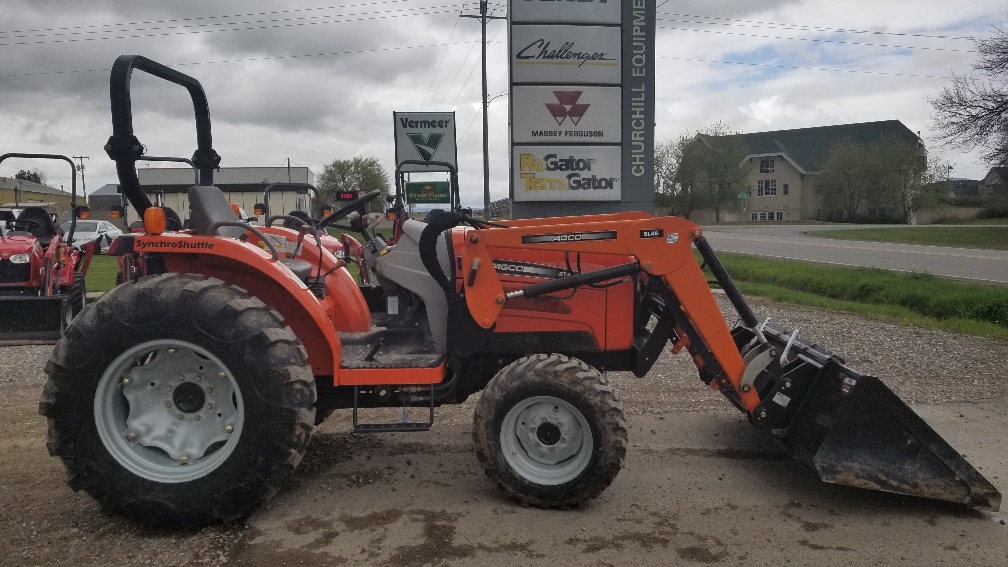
[99, 231]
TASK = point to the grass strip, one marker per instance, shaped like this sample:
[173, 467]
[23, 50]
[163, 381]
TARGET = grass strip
[919, 299]
[985, 237]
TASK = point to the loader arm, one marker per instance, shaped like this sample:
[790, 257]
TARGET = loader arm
[662, 247]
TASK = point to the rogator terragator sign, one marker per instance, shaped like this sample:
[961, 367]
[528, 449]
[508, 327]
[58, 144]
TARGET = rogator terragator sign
[582, 106]
[425, 136]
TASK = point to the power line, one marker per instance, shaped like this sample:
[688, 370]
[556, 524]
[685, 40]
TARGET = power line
[240, 60]
[440, 61]
[818, 40]
[803, 27]
[201, 18]
[266, 24]
[796, 67]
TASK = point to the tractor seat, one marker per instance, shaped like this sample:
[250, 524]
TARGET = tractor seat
[208, 205]
[45, 229]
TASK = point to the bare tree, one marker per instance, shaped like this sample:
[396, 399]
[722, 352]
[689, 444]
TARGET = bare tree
[973, 111]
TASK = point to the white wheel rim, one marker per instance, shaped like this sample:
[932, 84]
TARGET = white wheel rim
[168, 411]
[546, 440]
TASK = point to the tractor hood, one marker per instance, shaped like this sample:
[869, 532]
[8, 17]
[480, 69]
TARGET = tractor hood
[16, 243]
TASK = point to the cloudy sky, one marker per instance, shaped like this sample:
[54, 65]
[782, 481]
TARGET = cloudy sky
[319, 79]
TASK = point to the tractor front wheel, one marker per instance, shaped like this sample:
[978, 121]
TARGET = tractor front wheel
[179, 400]
[550, 431]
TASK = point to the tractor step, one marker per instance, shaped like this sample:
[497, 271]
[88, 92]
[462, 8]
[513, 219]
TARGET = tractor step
[387, 348]
[404, 424]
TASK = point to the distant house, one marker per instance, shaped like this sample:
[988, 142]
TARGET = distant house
[785, 163]
[995, 183]
[965, 188]
[241, 185]
[18, 193]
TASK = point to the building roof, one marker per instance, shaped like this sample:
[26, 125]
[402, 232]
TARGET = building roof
[807, 148]
[25, 185]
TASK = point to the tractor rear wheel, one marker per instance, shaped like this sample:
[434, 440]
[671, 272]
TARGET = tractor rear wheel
[179, 400]
[78, 294]
[550, 431]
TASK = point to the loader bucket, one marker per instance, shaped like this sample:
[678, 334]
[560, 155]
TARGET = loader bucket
[853, 430]
[25, 319]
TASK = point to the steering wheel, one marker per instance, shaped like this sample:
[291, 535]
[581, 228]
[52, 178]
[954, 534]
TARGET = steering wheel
[349, 208]
[29, 222]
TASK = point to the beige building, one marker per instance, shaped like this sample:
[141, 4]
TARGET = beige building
[20, 193]
[784, 165]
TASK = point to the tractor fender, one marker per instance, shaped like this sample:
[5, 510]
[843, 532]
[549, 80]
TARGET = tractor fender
[253, 269]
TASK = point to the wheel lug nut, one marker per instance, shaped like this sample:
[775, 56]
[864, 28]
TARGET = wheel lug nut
[125, 382]
[183, 460]
[228, 429]
[168, 404]
[171, 431]
[179, 416]
[208, 407]
[221, 374]
[196, 417]
[171, 351]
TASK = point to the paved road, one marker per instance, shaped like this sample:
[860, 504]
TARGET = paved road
[796, 242]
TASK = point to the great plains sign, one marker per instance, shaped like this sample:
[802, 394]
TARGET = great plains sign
[425, 136]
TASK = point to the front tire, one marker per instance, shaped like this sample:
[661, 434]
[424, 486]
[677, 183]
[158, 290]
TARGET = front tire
[179, 400]
[550, 431]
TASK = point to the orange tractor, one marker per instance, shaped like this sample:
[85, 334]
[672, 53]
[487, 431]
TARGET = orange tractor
[188, 396]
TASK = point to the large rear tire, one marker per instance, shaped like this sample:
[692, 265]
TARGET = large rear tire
[179, 400]
[550, 431]
[78, 294]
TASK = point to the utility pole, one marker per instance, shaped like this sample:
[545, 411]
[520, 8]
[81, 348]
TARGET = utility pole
[483, 17]
[80, 168]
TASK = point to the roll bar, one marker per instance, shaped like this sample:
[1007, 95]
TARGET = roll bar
[125, 149]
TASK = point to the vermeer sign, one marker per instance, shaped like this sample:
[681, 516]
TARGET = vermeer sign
[425, 136]
[566, 114]
[565, 54]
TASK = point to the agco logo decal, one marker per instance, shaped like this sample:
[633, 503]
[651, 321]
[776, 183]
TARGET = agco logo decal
[530, 270]
[569, 237]
[567, 106]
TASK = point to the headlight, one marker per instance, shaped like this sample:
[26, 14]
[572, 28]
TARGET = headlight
[19, 259]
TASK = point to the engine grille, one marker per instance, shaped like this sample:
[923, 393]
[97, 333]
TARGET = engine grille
[14, 273]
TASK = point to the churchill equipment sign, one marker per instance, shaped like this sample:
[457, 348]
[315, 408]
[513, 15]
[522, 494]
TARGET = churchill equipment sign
[425, 136]
[581, 106]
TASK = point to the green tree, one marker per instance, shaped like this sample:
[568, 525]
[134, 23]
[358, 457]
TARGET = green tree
[355, 174]
[35, 176]
[844, 181]
[712, 170]
[897, 167]
[973, 111]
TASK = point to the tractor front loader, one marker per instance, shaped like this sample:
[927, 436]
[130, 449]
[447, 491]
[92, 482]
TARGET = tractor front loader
[41, 271]
[188, 395]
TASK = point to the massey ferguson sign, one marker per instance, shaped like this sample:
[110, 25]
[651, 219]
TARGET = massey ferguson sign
[582, 106]
[549, 114]
[425, 136]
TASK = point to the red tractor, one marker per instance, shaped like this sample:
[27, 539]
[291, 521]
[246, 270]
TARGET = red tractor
[189, 395]
[41, 274]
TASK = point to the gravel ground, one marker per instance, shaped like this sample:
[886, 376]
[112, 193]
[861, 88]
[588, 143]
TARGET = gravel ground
[44, 523]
